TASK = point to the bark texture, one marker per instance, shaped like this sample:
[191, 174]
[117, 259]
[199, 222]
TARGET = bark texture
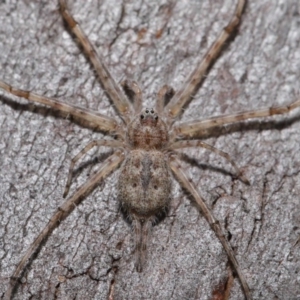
[90, 255]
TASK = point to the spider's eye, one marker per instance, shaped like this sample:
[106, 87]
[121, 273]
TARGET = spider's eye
[142, 117]
[152, 111]
[147, 111]
[156, 118]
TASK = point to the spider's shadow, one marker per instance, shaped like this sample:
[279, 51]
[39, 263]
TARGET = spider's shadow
[195, 163]
[90, 163]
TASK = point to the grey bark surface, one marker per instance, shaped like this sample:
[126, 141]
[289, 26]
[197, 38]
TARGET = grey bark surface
[90, 255]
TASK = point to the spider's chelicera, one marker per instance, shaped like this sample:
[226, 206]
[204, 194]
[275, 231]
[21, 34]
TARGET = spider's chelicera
[146, 148]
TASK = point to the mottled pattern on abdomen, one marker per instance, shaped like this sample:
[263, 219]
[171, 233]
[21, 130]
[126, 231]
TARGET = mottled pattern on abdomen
[144, 184]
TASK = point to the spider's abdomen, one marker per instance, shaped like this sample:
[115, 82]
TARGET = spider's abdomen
[144, 183]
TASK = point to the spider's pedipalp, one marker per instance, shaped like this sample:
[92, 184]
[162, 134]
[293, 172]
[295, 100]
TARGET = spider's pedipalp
[134, 92]
[164, 95]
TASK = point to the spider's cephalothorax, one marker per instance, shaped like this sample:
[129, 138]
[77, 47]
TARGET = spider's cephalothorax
[147, 131]
[144, 183]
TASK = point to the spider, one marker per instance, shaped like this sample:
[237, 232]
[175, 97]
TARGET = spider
[146, 147]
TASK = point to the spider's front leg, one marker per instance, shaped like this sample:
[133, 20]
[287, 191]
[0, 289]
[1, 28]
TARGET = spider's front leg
[182, 96]
[214, 224]
[111, 87]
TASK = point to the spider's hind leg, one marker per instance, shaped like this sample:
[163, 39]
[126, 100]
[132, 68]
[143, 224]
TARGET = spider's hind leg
[142, 229]
[214, 224]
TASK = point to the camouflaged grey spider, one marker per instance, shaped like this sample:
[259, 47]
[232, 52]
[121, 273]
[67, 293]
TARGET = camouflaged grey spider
[145, 148]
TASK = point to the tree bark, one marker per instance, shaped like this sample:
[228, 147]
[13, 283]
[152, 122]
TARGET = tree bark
[91, 255]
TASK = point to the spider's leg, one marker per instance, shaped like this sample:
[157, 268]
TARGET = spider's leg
[214, 224]
[64, 210]
[141, 230]
[182, 96]
[134, 92]
[103, 122]
[137, 228]
[146, 230]
[106, 143]
[192, 128]
[164, 95]
[197, 143]
[110, 86]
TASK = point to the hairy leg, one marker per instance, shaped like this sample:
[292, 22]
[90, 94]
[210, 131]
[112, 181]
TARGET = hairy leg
[141, 232]
[63, 211]
[106, 143]
[180, 99]
[110, 85]
[190, 129]
[104, 123]
[197, 143]
[214, 224]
